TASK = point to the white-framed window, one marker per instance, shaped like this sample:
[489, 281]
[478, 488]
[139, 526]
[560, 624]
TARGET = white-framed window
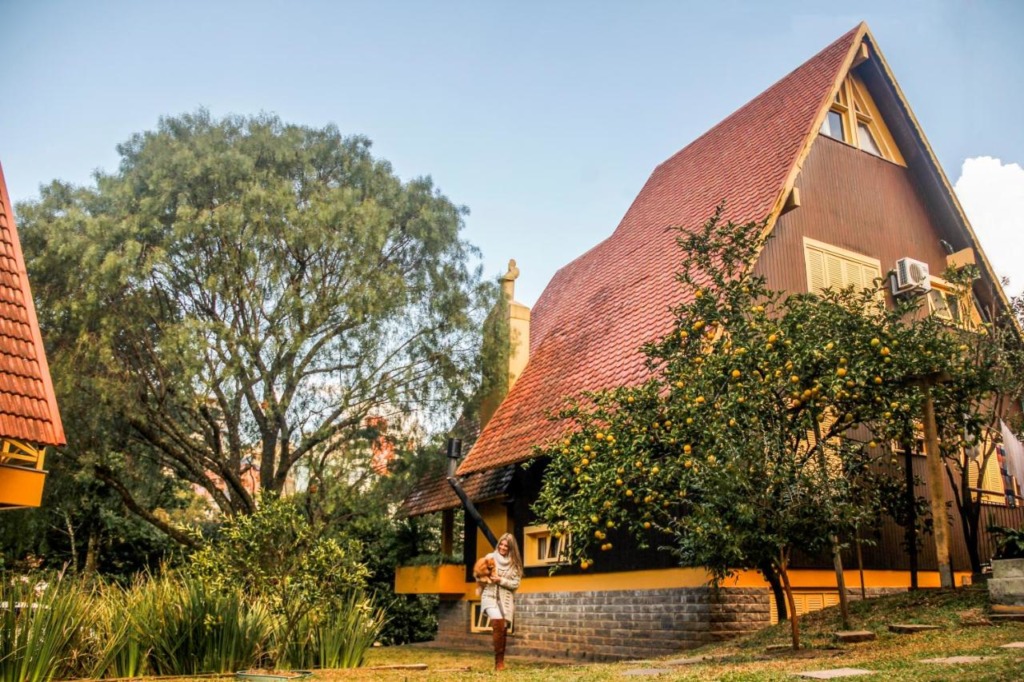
[542, 547]
[832, 267]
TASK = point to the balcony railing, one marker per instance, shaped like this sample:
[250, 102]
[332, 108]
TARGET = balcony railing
[21, 474]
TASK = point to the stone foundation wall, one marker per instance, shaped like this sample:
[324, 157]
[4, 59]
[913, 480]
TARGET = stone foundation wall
[610, 625]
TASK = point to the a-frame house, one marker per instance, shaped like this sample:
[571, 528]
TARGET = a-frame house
[29, 419]
[834, 159]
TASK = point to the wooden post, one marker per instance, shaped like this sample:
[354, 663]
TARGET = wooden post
[911, 532]
[937, 490]
[447, 531]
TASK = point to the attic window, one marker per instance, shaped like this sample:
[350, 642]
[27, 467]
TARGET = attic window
[854, 119]
[833, 125]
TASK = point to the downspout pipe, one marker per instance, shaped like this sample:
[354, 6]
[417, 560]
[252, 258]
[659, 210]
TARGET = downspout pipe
[454, 455]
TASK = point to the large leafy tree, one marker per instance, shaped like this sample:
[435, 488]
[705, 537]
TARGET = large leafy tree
[756, 434]
[241, 295]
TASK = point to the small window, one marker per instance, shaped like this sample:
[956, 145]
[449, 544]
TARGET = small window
[952, 304]
[988, 481]
[865, 140]
[833, 125]
[944, 305]
[545, 548]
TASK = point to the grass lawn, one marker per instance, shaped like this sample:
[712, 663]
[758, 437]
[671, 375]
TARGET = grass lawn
[961, 614]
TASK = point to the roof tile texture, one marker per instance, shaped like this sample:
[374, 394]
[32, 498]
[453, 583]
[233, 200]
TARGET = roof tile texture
[435, 493]
[28, 407]
[595, 314]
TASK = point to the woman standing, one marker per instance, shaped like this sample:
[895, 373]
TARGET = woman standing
[496, 598]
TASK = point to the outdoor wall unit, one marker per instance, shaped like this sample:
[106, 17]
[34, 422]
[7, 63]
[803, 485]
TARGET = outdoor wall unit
[910, 276]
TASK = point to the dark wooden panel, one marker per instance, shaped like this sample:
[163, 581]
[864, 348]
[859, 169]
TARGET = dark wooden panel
[857, 202]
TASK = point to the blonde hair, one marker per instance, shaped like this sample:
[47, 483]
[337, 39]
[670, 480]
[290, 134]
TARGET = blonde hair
[513, 551]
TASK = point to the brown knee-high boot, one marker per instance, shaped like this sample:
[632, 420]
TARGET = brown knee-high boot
[498, 634]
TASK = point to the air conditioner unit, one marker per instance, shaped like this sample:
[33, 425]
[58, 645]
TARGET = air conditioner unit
[910, 276]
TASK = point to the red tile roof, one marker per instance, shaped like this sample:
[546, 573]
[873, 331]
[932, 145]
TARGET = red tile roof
[435, 493]
[589, 324]
[28, 407]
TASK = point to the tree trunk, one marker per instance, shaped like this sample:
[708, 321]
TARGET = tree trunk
[92, 554]
[911, 501]
[179, 536]
[794, 620]
[844, 600]
[860, 567]
[772, 577]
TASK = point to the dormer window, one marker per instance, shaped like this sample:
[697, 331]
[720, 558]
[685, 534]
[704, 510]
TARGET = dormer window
[854, 119]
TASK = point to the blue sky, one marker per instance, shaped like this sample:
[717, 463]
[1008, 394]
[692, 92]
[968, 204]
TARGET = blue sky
[544, 118]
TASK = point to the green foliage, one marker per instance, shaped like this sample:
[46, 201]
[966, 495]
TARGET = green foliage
[277, 556]
[189, 627]
[242, 294]
[40, 623]
[1009, 542]
[172, 624]
[338, 638]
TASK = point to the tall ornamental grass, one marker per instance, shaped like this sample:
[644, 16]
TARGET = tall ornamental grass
[335, 636]
[169, 625]
[115, 640]
[188, 628]
[40, 627]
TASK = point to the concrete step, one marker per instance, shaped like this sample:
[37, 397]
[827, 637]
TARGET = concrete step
[1007, 617]
[911, 628]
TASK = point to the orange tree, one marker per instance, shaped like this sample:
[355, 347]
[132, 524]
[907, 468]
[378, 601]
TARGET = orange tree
[741, 446]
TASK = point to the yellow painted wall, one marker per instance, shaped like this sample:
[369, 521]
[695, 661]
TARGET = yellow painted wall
[519, 340]
[496, 516]
[695, 577]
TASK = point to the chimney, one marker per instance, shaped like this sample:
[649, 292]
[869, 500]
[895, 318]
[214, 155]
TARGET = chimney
[506, 348]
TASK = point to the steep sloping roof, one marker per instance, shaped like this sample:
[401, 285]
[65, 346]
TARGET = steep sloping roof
[594, 315]
[28, 407]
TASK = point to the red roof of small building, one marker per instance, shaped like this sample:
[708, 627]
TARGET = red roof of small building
[28, 406]
[434, 493]
[595, 314]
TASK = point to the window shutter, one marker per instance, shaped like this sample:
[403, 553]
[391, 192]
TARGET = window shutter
[838, 268]
[815, 270]
[834, 271]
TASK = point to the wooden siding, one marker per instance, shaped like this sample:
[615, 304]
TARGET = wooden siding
[887, 549]
[857, 202]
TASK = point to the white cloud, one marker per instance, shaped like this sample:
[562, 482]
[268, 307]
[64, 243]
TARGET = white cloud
[992, 194]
